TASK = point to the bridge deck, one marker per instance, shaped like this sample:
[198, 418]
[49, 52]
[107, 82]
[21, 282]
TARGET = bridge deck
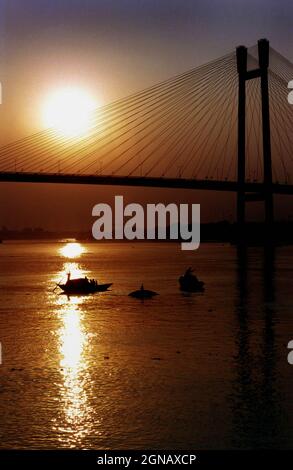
[180, 183]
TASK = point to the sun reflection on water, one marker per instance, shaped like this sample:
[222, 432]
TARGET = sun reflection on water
[74, 347]
[76, 418]
[72, 336]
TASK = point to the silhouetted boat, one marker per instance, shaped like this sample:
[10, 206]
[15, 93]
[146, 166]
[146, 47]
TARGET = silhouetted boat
[82, 286]
[189, 282]
[143, 293]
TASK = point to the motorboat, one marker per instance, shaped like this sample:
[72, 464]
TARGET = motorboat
[190, 283]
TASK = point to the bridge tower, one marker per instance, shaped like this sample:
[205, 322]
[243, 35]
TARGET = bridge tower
[243, 74]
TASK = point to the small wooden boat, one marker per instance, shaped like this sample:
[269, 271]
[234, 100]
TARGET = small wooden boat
[143, 293]
[82, 286]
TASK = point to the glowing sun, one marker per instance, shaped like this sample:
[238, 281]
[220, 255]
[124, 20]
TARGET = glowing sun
[72, 250]
[69, 111]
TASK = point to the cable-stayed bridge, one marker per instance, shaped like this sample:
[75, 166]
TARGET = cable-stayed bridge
[225, 126]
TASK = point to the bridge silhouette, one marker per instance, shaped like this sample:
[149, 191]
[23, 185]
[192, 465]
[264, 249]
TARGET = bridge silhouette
[223, 126]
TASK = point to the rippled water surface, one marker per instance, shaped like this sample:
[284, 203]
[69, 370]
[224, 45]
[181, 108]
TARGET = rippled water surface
[203, 371]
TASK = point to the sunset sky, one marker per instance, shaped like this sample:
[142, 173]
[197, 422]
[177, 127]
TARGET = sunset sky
[111, 48]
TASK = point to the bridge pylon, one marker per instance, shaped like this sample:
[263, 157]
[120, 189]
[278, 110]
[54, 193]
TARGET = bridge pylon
[244, 75]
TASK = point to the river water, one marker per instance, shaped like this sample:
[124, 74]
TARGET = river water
[106, 371]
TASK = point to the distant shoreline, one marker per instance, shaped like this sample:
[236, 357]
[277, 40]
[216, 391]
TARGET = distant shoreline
[219, 232]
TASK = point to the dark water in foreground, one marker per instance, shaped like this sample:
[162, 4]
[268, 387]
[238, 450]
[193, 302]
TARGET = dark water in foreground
[203, 371]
